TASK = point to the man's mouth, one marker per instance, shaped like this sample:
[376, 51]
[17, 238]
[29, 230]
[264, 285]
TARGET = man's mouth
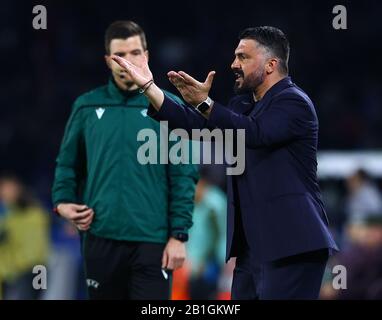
[238, 75]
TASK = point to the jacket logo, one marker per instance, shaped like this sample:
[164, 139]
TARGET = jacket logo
[100, 112]
[92, 283]
[144, 112]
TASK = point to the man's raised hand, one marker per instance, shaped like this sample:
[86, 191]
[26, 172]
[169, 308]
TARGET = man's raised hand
[192, 91]
[140, 74]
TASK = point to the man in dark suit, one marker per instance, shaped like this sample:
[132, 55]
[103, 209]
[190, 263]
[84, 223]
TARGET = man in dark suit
[277, 225]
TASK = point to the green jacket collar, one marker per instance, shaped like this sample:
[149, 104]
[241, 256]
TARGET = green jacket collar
[117, 93]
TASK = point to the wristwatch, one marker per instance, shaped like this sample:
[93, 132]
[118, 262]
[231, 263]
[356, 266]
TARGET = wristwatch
[205, 105]
[181, 236]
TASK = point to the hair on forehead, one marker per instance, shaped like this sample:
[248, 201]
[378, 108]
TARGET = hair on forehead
[122, 30]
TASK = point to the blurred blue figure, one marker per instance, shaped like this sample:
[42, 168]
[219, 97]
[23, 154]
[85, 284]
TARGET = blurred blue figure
[65, 266]
[364, 198]
[207, 241]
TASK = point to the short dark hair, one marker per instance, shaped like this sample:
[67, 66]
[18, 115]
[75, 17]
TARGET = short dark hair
[362, 174]
[273, 39]
[121, 30]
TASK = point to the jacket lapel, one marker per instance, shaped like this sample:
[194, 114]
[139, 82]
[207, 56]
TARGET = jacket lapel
[244, 106]
[275, 89]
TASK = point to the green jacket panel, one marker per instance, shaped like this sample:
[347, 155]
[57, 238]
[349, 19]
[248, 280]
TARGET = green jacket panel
[97, 165]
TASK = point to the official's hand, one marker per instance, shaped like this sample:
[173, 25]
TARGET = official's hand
[192, 91]
[139, 73]
[174, 254]
[80, 215]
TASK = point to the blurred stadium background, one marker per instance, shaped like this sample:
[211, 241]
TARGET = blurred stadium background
[43, 71]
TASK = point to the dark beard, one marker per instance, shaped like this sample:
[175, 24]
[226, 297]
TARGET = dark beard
[250, 83]
[128, 82]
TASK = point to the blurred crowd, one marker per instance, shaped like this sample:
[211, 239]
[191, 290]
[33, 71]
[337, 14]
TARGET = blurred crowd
[30, 235]
[357, 224]
[50, 68]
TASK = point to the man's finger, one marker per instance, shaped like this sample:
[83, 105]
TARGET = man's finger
[175, 264]
[188, 78]
[81, 228]
[82, 215]
[84, 223]
[85, 220]
[170, 264]
[145, 61]
[178, 263]
[177, 81]
[176, 77]
[118, 60]
[84, 226]
[123, 63]
[172, 73]
[210, 78]
[79, 207]
[164, 259]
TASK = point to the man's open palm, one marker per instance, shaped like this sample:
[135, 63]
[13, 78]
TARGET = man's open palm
[140, 74]
[192, 91]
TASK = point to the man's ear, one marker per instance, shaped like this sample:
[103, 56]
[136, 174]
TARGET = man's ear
[271, 66]
[108, 61]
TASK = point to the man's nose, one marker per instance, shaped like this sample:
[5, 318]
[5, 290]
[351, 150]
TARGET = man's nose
[235, 64]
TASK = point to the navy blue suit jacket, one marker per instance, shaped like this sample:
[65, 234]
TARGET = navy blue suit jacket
[278, 197]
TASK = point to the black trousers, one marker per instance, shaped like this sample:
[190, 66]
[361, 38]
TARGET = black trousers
[296, 277]
[124, 270]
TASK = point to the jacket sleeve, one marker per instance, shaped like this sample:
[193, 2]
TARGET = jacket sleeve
[71, 161]
[182, 177]
[289, 117]
[178, 114]
[182, 182]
